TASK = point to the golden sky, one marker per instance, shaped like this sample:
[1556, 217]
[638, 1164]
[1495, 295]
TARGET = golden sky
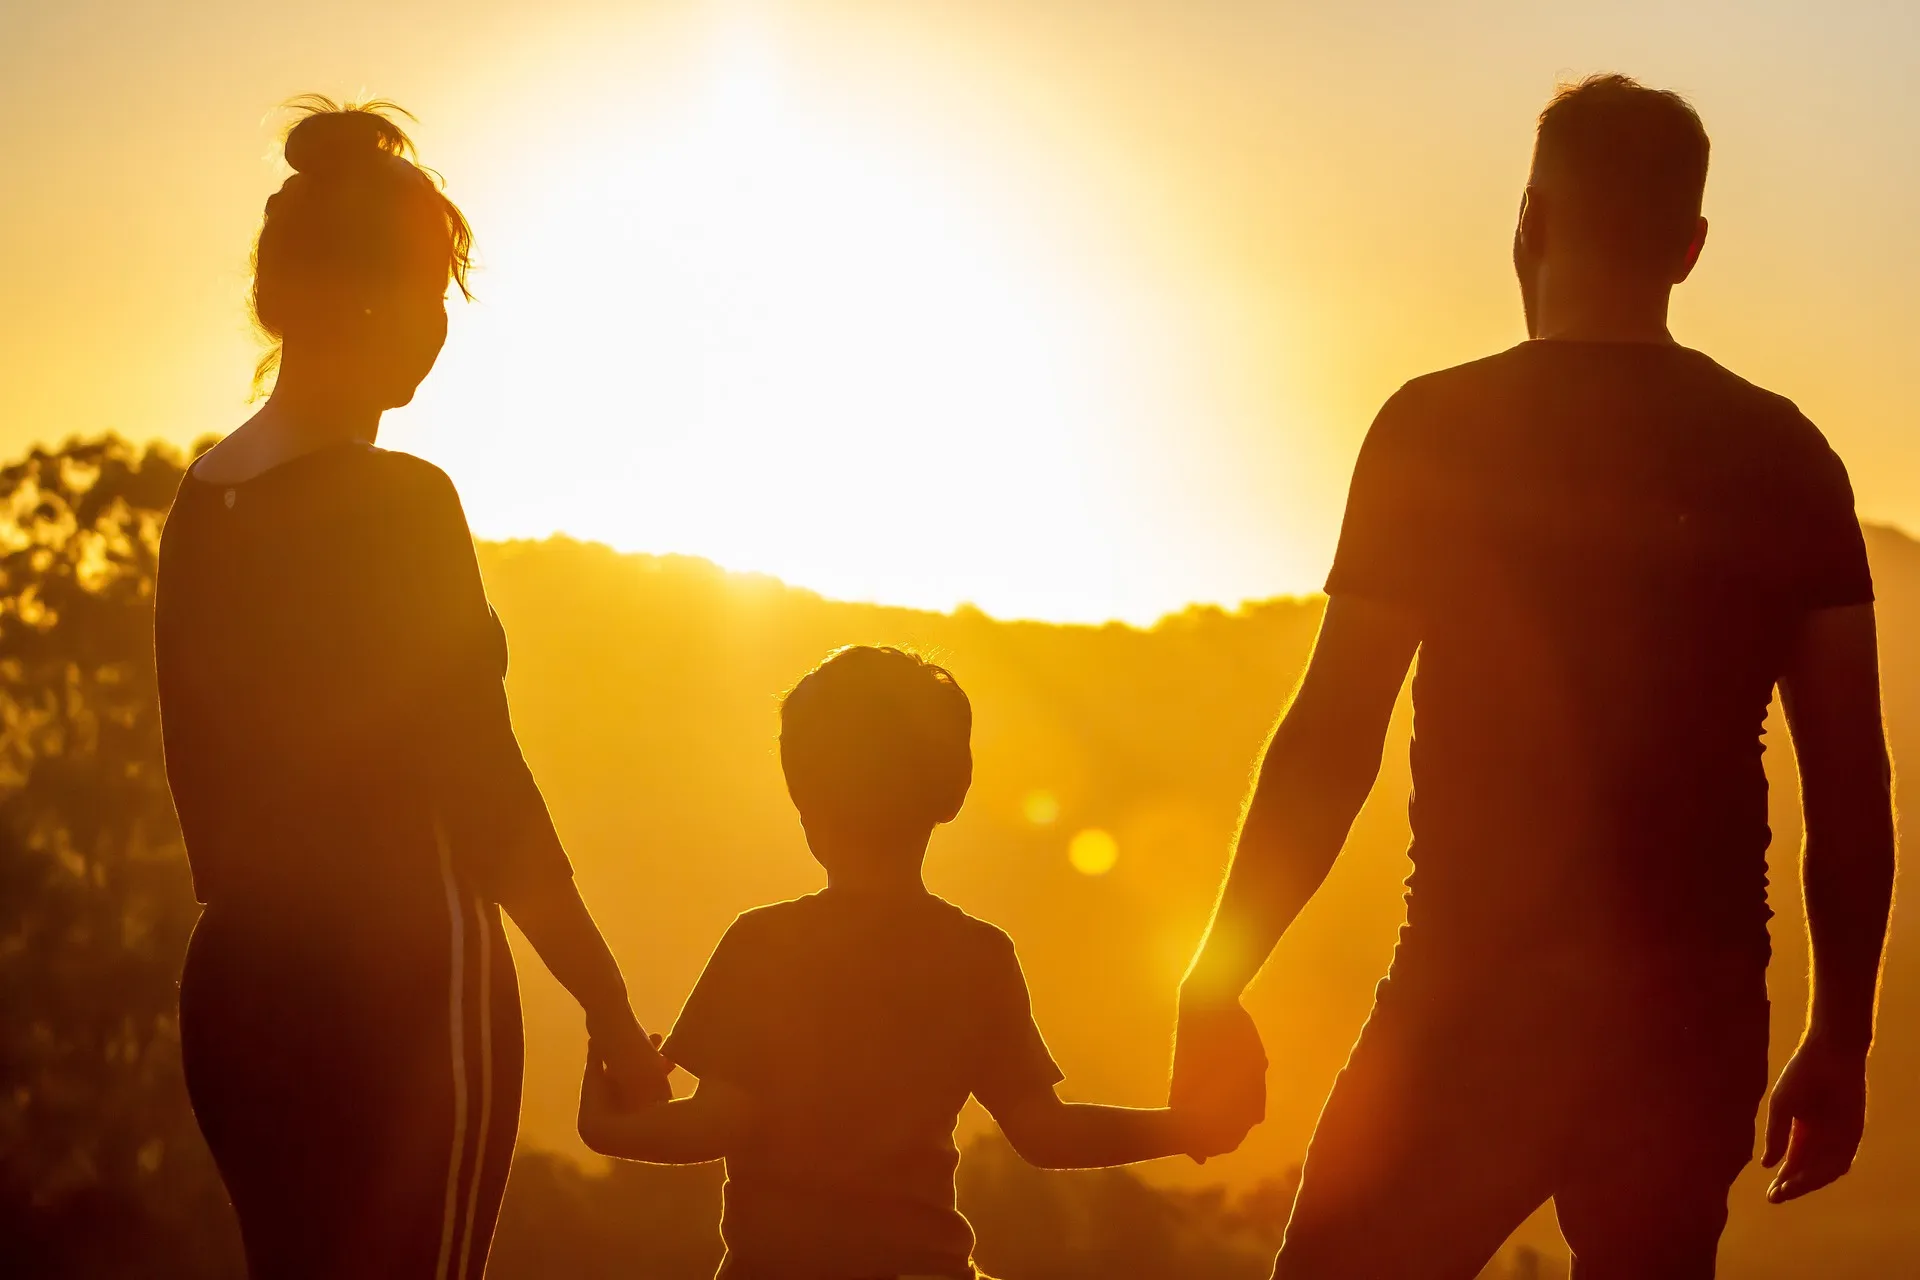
[1070, 308]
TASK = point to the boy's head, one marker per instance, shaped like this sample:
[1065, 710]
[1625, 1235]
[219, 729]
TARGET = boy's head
[875, 744]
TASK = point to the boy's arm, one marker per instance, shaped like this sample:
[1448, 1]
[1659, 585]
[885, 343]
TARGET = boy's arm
[695, 1130]
[1051, 1134]
[1015, 1080]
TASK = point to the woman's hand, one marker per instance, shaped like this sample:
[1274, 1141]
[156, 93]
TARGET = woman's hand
[556, 922]
[630, 1058]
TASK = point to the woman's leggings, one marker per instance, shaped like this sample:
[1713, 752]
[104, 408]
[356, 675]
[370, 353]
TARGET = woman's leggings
[356, 1072]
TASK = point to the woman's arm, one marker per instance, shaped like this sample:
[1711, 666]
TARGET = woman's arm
[1051, 1134]
[557, 923]
[693, 1130]
[452, 660]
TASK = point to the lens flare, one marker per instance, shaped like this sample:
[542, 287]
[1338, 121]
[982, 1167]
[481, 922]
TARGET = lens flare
[1041, 808]
[1093, 852]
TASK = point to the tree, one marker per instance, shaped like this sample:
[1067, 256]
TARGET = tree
[101, 1168]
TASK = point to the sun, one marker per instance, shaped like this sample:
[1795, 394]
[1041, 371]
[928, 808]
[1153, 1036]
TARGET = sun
[774, 328]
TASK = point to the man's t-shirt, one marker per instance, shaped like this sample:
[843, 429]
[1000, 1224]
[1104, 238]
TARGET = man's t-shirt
[1608, 547]
[859, 1025]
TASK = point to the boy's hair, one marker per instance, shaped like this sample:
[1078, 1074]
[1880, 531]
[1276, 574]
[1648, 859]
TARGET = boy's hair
[876, 739]
[1630, 165]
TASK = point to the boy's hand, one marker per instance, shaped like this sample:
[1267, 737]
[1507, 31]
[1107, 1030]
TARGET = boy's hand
[597, 1104]
[602, 1102]
[1209, 1134]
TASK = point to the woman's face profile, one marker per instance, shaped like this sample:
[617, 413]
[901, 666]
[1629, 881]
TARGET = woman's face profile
[379, 339]
[405, 332]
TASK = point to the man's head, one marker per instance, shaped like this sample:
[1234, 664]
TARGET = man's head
[1619, 171]
[875, 745]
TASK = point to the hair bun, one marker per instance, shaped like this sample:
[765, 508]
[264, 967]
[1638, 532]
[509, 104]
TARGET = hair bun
[329, 138]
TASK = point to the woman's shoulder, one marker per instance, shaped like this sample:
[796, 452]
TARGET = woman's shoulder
[407, 473]
[406, 491]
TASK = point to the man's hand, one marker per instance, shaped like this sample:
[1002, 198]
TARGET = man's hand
[1208, 1134]
[1816, 1118]
[635, 1070]
[1219, 1070]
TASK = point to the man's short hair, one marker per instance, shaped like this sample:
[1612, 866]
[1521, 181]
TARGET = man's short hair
[1628, 165]
[877, 739]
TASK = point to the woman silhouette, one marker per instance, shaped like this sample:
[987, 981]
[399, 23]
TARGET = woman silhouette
[355, 806]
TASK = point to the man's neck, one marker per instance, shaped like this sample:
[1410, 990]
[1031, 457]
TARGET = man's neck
[1578, 311]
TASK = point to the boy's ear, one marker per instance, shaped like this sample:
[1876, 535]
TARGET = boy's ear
[961, 785]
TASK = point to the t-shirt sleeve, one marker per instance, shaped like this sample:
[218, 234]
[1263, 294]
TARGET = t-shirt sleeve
[1829, 551]
[1387, 538]
[1013, 1056]
[718, 1034]
[489, 808]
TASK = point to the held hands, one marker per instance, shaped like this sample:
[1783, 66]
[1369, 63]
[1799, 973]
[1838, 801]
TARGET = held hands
[602, 1102]
[1219, 1075]
[631, 1059]
[1816, 1118]
[1207, 1133]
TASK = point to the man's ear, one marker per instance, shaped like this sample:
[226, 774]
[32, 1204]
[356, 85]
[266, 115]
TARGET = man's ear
[1530, 228]
[1694, 247]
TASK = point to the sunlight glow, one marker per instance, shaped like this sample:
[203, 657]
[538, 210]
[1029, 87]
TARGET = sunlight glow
[795, 336]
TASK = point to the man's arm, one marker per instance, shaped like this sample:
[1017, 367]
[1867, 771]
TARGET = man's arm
[1831, 691]
[1319, 766]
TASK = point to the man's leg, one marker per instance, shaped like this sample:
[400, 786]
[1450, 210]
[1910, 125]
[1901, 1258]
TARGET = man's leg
[1669, 1126]
[1434, 1145]
[1665, 1229]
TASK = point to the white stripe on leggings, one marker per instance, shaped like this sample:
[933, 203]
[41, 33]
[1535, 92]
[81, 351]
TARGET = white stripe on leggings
[457, 1024]
[485, 946]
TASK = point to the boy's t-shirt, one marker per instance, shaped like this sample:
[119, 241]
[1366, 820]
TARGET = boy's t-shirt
[859, 1024]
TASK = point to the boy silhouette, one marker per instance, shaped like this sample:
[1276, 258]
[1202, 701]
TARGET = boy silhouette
[837, 1036]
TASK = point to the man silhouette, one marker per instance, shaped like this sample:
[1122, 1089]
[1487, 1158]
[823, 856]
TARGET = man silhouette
[1607, 551]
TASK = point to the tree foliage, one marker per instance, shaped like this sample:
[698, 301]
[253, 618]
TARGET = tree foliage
[98, 1156]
